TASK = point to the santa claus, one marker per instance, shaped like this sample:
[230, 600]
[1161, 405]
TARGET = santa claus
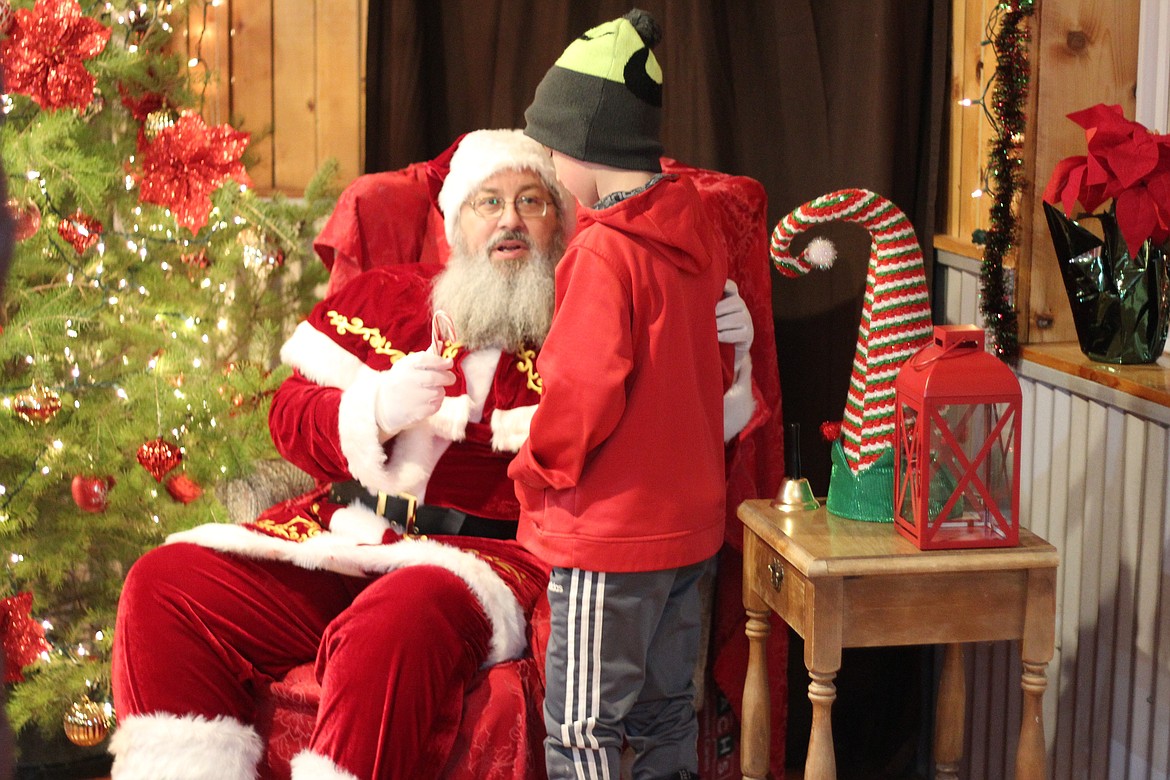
[412, 390]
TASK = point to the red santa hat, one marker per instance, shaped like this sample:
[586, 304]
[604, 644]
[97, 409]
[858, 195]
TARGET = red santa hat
[484, 153]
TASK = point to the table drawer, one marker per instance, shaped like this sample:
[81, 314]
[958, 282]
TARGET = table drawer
[776, 581]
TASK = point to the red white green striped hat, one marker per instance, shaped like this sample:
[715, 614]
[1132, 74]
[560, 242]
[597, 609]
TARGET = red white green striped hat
[895, 318]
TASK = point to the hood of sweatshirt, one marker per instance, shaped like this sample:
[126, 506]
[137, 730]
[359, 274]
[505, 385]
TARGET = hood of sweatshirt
[670, 215]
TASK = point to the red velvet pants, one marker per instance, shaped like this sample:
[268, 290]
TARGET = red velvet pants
[198, 631]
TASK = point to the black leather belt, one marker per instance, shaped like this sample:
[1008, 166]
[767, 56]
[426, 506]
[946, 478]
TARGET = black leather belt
[419, 518]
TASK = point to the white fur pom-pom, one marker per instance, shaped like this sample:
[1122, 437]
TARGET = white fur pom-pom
[820, 252]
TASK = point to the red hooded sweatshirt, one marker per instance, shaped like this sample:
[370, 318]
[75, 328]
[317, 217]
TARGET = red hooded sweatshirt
[623, 467]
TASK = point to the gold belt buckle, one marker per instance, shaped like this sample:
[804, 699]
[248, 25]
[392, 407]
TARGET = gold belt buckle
[411, 510]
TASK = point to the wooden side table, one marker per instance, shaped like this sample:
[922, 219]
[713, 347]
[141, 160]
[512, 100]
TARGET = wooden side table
[846, 583]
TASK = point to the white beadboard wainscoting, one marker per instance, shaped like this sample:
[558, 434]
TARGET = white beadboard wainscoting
[1094, 483]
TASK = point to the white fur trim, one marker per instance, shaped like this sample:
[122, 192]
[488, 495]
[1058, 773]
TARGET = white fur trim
[484, 153]
[450, 422]
[510, 428]
[333, 552]
[308, 765]
[320, 358]
[358, 522]
[738, 403]
[169, 747]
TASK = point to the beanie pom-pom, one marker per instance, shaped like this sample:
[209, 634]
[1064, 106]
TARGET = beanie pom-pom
[646, 26]
[820, 252]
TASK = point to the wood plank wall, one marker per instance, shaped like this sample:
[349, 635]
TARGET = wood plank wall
[1083, 52]
[970, 132]
[292, 73]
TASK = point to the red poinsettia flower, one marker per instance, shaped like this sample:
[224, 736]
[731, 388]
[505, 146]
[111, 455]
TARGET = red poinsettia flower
[1127, 164]
[44, 53]
[187, 162]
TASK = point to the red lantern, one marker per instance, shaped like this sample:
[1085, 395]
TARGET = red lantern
[957, 445]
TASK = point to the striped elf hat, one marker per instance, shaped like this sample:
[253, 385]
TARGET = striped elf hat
[895, 323]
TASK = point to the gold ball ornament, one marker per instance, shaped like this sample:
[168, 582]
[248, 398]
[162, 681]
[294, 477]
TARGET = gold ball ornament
[36, 405]
[157, 121]
[86, 723]
[261, 254]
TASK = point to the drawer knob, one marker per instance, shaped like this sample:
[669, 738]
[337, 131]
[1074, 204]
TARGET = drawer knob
[776, 569]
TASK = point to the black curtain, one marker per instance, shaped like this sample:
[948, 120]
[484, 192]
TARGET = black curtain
[806, 96]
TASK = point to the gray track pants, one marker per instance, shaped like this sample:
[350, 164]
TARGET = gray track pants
[620, 666]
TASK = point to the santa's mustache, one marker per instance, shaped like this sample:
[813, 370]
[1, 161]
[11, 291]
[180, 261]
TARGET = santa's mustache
[511, 235]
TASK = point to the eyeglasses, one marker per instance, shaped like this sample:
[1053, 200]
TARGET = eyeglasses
[492, 206]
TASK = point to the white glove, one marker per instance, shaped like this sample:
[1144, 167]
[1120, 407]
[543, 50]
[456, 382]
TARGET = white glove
[733, 322]
[411, 390]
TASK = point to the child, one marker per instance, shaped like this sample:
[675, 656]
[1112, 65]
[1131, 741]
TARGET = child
[621, 482]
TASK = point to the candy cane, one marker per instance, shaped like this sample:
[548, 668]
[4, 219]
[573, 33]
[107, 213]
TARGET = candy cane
[895, 319]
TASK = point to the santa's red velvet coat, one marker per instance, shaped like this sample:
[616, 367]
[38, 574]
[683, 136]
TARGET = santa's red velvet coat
[322, 420]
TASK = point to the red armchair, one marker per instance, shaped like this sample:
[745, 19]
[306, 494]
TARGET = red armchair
[390, 217]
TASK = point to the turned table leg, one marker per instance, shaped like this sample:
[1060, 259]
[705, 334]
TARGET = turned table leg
[757, 715]
[950, 714]
[1030, 755]
[821, 763]
[1036, 650]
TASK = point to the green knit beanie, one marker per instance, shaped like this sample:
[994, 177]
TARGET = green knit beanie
[601, 101]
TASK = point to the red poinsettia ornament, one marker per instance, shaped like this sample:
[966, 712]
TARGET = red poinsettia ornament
[22, 637]
[81, 231]
[1126, 163]
[186, 162]
[159, 456]
[44, 53]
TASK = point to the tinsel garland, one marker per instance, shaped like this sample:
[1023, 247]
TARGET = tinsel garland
[1009, 38]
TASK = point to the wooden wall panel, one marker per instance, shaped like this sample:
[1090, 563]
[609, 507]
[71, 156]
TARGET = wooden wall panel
[1085, 53]
[290, 72]
[973, 63]
[295, 92]
[251, 86]
[340, 56]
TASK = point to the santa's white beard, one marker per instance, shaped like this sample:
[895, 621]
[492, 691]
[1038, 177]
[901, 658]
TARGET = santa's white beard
[498, 306]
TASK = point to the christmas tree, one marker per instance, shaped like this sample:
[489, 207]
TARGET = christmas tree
[149, 291]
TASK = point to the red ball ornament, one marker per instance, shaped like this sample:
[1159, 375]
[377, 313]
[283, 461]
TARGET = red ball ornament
[159, 456]
[183, 489]
[81, 231]
[831, 431]
[26, 218]
[92, 493]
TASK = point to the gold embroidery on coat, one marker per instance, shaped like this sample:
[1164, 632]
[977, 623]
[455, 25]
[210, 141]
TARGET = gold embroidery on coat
[296, 529]
[373, 336]
[500, 563]
[527, 365]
